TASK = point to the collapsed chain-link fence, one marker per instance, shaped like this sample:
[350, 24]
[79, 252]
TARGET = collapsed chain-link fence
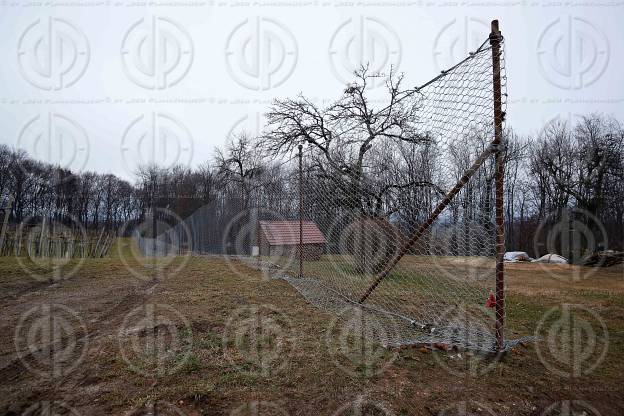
[411, 239]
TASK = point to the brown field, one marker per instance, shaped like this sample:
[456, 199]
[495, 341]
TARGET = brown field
[204, 336]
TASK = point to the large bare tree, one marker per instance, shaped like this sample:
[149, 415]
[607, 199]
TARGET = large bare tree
[348, 137]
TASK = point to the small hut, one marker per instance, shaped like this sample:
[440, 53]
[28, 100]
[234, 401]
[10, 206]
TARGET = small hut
[281, 238]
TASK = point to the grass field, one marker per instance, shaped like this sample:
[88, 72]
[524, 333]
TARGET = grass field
[208, 336]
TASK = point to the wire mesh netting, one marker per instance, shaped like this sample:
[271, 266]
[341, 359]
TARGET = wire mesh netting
[402, 234]
[227, 226]
[422, 273]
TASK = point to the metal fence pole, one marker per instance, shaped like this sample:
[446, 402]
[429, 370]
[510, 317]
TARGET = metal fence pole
[495, 42]
[255, 227]
[300, 211]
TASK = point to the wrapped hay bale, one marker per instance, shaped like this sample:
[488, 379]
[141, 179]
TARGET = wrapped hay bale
[514, 256]
[551, 258]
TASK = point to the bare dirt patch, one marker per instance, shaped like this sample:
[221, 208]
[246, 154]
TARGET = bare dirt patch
[238, 343]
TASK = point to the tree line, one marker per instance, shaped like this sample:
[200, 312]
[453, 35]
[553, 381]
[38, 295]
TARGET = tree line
[31, 190]
[562, 184]
[567, 180]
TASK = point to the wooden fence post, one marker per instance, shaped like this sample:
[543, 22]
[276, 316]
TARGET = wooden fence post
[495, 42]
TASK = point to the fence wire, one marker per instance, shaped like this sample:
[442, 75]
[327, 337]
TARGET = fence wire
[442, 287]
[407, 238]
[227, 226]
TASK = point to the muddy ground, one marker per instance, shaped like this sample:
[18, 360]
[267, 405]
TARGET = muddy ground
[207, 336]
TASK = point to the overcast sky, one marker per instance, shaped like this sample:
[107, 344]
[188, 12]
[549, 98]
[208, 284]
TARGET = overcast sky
[107, 85]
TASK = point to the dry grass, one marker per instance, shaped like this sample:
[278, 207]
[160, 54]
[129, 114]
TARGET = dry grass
[245, 343]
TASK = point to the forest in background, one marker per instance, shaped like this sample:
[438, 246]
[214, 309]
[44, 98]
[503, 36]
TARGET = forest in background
[564, 174]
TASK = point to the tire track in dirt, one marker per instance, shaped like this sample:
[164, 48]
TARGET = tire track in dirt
[25, 290]
[111, 318]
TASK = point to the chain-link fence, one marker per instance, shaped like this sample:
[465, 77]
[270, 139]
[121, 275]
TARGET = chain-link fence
[229, 226]
[412, 241]
[410, 236]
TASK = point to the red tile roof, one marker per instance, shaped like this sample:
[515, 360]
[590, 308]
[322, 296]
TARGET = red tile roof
[283, 233]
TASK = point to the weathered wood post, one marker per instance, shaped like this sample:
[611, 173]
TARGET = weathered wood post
[495, 42]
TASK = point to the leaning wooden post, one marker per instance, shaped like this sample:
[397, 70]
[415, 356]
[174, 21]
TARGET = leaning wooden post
[495, 42]
[300, 211]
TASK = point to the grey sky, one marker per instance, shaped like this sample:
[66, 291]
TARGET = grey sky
[101, 94]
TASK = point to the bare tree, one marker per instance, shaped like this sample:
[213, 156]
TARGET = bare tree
[242, 164]
[346, 135]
